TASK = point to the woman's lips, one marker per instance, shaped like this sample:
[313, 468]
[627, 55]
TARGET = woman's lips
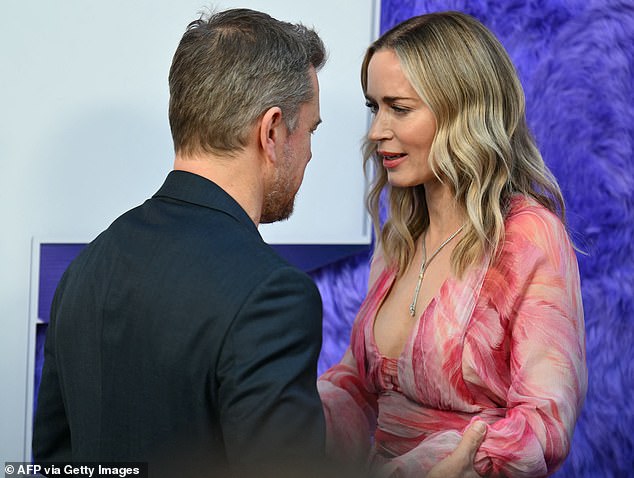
[391, 160]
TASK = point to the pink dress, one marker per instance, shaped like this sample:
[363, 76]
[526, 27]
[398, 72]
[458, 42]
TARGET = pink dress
[505, 344]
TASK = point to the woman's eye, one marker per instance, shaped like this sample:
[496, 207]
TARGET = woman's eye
[399, 110]
[372, 107]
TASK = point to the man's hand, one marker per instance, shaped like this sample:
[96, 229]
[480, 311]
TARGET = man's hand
[460, 463]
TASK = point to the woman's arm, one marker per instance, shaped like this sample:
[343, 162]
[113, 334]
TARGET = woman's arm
[548, 375]
[349, 407]
[350, 412]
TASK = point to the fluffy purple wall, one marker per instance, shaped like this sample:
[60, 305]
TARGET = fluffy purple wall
[576, 62]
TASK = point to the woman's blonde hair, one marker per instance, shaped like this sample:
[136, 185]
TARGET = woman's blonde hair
[482, 148]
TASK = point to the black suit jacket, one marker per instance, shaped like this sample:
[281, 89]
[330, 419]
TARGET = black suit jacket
[178, 333]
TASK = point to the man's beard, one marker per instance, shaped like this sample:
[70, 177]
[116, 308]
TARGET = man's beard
[279, 199]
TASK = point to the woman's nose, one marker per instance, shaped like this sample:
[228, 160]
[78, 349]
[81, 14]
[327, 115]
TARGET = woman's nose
[379, 128]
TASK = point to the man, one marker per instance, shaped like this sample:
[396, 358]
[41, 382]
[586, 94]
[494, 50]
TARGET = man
[178, 336]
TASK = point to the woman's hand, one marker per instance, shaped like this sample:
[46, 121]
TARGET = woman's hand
[460, 463]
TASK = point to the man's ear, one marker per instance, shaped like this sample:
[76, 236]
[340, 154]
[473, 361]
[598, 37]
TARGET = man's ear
[272, 133]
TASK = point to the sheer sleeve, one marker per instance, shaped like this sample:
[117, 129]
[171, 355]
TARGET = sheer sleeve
[350, 411]
[548, 374]
[350, 407]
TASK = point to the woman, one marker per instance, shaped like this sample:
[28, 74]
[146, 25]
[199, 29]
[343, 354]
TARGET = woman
[474, 307]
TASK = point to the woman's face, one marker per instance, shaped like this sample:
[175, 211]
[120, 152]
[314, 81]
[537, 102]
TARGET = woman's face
[403, 127]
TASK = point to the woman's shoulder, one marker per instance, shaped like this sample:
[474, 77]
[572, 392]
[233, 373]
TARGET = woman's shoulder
[530, 223]
[379, 267]
[527, 216]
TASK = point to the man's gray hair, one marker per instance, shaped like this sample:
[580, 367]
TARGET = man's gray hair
[232, 66]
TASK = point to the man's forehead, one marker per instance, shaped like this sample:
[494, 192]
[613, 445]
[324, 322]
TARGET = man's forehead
[315, 100]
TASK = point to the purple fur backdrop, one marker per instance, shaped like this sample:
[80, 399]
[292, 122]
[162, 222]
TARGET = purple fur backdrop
[576, 62]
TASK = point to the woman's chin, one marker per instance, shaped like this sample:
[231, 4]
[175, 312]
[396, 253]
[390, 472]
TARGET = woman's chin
[399, 181]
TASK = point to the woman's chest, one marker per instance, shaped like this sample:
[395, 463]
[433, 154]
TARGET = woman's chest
[407, 299]
[444, 356]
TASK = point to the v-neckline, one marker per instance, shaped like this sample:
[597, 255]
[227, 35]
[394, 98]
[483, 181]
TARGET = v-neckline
[415, 326]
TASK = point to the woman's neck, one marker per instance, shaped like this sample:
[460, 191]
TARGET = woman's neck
[445, 216]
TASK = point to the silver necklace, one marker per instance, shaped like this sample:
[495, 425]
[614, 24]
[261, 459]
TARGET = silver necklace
[423, 267]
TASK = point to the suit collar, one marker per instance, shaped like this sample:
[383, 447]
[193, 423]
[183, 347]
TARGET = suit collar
[195, 189]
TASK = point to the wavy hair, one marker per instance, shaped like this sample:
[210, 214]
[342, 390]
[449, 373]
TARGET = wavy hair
[482, 147]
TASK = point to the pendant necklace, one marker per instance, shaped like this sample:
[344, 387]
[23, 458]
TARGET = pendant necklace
[423, 267]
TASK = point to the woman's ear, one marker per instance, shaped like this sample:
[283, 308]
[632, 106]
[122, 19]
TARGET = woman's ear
[272, 133]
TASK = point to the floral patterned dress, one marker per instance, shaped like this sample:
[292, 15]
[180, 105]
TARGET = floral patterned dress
[505, 344]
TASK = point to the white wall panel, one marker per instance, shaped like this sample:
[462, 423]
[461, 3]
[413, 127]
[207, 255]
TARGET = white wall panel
[84, 136]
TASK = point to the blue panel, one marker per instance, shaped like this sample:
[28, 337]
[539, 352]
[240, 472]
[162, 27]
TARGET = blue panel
[54, 259]
[310, 257]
